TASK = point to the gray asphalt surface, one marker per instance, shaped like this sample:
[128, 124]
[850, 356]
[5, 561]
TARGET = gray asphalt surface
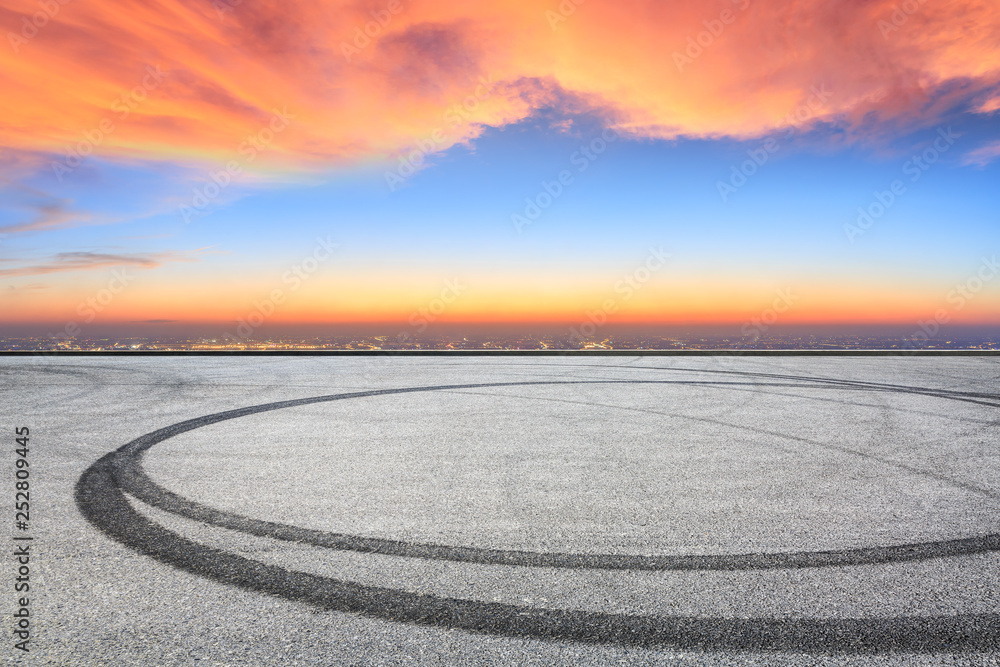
[519, 510]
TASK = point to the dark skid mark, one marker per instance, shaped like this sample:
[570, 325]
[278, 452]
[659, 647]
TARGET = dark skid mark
[130, 476]
[100, 498]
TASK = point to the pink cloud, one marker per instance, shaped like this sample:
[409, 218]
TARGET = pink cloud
[983, 155]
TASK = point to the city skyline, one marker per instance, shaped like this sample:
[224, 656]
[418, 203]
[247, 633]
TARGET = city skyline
[400, 166]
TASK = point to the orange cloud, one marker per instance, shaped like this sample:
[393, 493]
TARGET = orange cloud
[989, 106]
[362, 80]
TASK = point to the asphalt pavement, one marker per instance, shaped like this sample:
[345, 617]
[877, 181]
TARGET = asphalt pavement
[507, 510]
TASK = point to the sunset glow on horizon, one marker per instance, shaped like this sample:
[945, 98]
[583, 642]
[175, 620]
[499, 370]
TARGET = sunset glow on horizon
[638, 162]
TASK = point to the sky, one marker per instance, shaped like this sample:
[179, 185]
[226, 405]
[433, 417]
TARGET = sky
[636, 162]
